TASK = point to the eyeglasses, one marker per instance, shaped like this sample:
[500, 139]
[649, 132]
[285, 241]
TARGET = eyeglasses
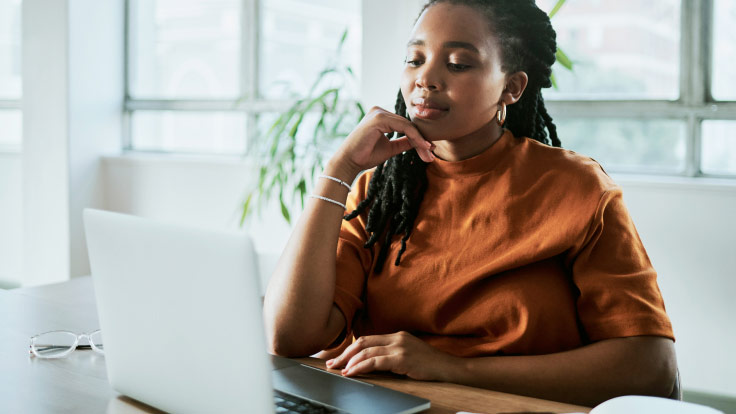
[58, 344]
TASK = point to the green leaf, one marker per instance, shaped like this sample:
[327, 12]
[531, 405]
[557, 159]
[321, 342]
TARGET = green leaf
[362, 111]
[342, 39]
[563, 59]
[262, 178]
[338, 122]
[295, 127]
[246, 208]
[302, 113]
[284, 210]
[556, 8]
[321, 76]
[553, 80]
[302, 190]
[284, 122]
[320, 125]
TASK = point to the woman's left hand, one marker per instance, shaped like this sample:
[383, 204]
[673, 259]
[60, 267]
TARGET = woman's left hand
[400, 353]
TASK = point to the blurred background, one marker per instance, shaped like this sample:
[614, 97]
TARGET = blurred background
[157, 108]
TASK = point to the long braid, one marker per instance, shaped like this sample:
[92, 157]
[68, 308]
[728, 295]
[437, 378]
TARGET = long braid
[397, 187]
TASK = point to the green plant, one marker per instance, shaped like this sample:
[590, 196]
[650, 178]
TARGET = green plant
[289, 154]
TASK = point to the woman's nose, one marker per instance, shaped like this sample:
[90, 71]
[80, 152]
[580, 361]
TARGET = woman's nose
[429, 78]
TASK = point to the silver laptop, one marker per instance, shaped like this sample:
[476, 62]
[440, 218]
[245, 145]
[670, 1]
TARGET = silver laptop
[180, 313]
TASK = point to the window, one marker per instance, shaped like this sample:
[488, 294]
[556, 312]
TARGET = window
[10, 76]
[201, 73]
[651, 90]
[723, 86]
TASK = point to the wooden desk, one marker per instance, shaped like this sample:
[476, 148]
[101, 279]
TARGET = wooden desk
[78, 383]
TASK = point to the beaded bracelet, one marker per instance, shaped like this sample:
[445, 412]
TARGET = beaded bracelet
[329, 200]
[337, 180]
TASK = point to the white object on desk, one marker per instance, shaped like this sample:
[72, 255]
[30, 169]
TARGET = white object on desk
[638, 404]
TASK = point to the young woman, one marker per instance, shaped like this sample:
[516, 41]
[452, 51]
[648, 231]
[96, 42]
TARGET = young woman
[478, 251]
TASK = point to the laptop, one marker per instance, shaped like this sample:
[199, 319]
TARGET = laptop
[180, 314]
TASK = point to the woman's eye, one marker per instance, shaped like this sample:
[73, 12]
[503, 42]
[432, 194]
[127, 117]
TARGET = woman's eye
[412, 62]
[457, 67]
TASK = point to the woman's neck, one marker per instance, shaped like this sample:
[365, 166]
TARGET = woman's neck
[470, 145]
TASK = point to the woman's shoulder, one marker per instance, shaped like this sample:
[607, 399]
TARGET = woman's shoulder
[565, 166]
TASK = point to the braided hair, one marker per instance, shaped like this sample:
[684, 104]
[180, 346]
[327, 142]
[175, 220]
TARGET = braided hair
[527, 42]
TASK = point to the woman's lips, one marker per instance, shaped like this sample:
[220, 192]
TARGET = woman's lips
[428, 113]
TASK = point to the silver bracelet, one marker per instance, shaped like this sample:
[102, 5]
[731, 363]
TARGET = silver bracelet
[337, 180]
[329, 200]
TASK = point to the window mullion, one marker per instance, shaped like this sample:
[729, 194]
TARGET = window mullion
[694, 50]
[694, 146]
[127, 139]
[694, 66]
[250, 20]
[10, 104]
[706, 48]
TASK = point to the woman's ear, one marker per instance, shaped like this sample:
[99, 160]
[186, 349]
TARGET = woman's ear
[515, 85]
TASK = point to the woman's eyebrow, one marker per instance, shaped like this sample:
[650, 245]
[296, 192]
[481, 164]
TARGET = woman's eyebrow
[453, 44]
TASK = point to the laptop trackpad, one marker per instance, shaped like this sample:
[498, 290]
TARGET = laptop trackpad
[342, 393]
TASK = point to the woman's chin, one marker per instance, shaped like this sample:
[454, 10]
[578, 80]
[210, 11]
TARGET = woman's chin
[430, 133]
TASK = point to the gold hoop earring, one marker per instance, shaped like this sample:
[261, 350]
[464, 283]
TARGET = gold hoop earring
[501, 114]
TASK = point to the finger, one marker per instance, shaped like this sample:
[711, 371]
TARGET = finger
[361, 343]
[364, 354]
[399, 145]
[350, 351]
[378, 363]
[393, 122]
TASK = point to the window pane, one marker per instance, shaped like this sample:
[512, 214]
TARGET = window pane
[627, 145]
[628, 49]
[719, 147]
[11, 130]
[299, 39]
[189, 131]
[184, 49]
[10, 58]
[724, 50]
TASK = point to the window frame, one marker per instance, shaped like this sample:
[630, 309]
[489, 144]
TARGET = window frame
[247, 103]
[694, 105]
[14, 105]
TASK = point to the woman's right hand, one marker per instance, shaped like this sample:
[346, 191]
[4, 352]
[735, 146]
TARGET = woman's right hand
[367, 146]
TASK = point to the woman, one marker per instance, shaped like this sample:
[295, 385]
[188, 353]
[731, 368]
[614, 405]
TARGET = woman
[512, 265]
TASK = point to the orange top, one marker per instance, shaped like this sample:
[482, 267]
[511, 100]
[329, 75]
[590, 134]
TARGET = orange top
[523, 249]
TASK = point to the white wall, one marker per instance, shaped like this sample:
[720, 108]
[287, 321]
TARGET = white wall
[72, 113]
[11, 220]
[689, 230]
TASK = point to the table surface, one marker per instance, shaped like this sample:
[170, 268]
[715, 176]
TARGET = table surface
[78, 383]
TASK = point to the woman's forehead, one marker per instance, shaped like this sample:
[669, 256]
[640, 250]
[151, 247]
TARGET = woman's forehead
[446, 23]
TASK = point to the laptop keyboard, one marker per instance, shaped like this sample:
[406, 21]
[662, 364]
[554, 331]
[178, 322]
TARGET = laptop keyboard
[289, 404]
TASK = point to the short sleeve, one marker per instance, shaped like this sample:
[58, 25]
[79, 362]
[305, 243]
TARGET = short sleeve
[353, 260]
[619, 295]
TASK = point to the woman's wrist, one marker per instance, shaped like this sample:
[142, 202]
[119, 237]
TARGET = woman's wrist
[342, 170]
[451, 369]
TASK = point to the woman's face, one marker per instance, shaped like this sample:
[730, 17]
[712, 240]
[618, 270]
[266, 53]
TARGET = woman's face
[452, 80]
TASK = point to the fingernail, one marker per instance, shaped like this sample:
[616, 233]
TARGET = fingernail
[329, 362]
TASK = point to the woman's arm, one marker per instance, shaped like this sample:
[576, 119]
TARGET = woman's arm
[589, 375]
[299, 313]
